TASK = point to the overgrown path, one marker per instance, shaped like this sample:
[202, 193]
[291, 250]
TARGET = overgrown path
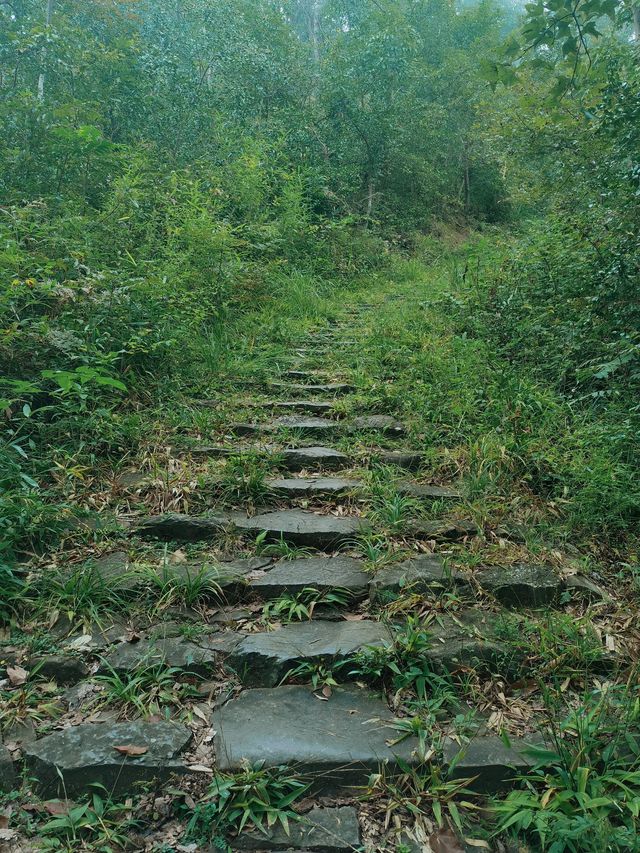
[319, 617]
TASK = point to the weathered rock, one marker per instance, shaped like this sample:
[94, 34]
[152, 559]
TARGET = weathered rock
[384, 424]
[113, 567]
[326, 458]
[328, 830]
[333, 388]
[321, 573]
[198, 659]
[8, 776]
[65, 670]
[334, 744]
[493, 764]
[131, 480]
[418, 490]
[522, 584]
[249, 429]
[298, 487]
[446, 530]
[183, 528]
[420, 574]
[303, 528]
[586, 586]
[223, 581]
[87, 754]
[262, 660]
[406, 459]
[465, 641]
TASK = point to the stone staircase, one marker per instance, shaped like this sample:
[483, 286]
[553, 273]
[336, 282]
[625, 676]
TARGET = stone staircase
[333, 742]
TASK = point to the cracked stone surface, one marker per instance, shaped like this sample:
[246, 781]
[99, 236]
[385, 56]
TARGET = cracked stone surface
[493, 764]
[262, 660]
[522, 584]
[183, 528]
[322, 573]
[303, 528]
[466, 640]
[326, 458]
[325, 830]
[335, 744]
[86, 754]
[298, 487]
[423, 573]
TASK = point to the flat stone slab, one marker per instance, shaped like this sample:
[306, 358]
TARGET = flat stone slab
[227, 579]
[86, 754]
[298, 487]
[522, 584]
[335, 389]
[197, 659]
[336, 744]
[307, 426]
[494, 765]
[113, 567]
[309, 407]
[321, 573]
[406, 459]
[329, 830]
[447, 530]
[423, 573]
[264, 659]
[300, 458]
[418, 490]
[183, 528]
[303, 528]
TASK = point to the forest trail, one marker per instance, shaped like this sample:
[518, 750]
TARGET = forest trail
[320, 615]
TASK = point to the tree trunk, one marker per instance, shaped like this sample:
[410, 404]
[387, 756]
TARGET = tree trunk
[43, 57]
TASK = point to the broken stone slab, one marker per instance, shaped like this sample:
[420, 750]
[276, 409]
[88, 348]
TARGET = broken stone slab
[384, 424]
[196, 659]
[68, 762]
[221, 581]
[335, 744]
[183, 528]
[586, 586]
[406, 459]
[446, 530]
[300, 458]
[418, 490]
[321, 573]
[8, 776]
[298, 487]
[494, 765]
[65, 670]
[302, 528]
[322, 830]
[522, 584]
[335, 389]
[264, 659]
[424, 573]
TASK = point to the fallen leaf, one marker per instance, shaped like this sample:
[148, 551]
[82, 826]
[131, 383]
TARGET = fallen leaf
[17, 675]
[4, 821]
[200, 768]
[132, 750]
[444, 841]
[7, 834]
[133, 637]
[57, 807]
[327, 692]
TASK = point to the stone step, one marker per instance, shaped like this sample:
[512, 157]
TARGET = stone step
[321, 830]
[69, 762]
[312, 427]
[321, 573]
[305, 407]
[264, 659]
[201, 658]
[383, 424]
[300, 487]
[333, 744]
[301, 458]
[306, 529]
[334, 389]
[407, 459]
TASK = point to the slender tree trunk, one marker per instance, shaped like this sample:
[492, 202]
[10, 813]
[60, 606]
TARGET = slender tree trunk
[43, 58]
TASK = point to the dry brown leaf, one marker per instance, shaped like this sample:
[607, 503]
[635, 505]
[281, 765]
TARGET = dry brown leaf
[444, 841]
[57, 807]
[200, 768]
[17, 675]
[131, 750]
[327, 692]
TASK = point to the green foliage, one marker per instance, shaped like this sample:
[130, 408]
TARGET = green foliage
[301, 605]
[100, 823]
[583, 792]
[255, 797]
[147, 689]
